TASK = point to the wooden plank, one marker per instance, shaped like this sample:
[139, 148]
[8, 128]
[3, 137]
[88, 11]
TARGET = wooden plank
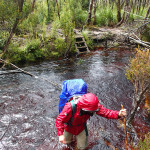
[81, 49]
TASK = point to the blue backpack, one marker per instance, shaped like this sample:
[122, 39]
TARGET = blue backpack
[70, 88]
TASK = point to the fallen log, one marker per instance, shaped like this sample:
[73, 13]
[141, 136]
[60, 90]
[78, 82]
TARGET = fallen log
[32, 75]
[9, 72]
[137, 41]
[25, 72]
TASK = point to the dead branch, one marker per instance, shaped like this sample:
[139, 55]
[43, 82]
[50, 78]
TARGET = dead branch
[27, 73]
[5, 131]
[138, 41]
[138, 102]
[10, 72]
[141, 26]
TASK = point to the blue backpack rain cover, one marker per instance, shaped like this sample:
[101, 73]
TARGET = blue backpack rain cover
[71, 88]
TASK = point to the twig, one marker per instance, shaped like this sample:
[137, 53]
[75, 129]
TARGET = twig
[125, 129]
[5, 132]
[141, 26]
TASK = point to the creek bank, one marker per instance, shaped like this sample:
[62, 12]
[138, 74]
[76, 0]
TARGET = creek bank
[43, 48]
[124, 36]
[109, 37]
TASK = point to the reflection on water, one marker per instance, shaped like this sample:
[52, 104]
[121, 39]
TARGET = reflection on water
[29, 106]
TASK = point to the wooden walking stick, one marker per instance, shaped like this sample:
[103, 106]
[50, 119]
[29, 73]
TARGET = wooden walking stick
[125, 129]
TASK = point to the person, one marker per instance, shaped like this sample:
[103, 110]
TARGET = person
[86, 106]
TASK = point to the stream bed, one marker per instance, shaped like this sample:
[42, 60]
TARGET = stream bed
[29, 106]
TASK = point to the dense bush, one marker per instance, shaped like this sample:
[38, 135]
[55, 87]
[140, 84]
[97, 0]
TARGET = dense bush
[105, 17]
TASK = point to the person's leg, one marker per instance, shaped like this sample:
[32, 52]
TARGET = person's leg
[68, 137]
[82, 140]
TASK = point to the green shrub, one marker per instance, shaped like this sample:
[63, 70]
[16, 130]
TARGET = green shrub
[89, 42]
[15, 54]
[105, 17]
[67, 25]
[80, 18]
[3, 37]
[33, 50]
[2, 42]
[131, 18]
[33, 45]
[60, 45]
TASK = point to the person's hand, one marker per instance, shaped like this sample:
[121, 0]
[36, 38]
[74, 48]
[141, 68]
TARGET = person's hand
[62, 139]
[122, 113]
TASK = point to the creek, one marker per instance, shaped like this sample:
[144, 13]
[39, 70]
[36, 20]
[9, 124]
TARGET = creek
[29, 106]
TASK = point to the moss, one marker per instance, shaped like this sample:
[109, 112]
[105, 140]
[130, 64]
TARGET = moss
[146, 34]
[55, 54]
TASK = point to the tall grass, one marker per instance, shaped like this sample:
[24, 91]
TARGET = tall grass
[105, 16]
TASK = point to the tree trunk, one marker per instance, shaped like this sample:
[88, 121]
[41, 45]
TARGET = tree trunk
[124, 12]
[20, 5]
[11, 35]
[128, 11]
[58, 9]
[148, 11]
[134, 5]
[33, 4]
[94, 12]
[118, 11]
[138, 6]
[89, 13]
[139, 99]
[48, 13]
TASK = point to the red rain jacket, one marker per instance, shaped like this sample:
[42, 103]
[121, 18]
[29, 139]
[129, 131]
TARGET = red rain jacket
[79, 121]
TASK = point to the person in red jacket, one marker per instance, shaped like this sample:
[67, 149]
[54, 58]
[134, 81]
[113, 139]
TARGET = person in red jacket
[86, 106]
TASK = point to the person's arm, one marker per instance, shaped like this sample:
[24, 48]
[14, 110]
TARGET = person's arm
[62, 118]
[111, 114]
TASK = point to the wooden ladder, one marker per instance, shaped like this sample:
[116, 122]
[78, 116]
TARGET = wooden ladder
[81, 45]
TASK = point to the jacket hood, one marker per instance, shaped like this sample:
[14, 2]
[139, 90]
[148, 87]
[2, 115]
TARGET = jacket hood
[88, 102]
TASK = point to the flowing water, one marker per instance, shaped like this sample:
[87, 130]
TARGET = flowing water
[29, 106]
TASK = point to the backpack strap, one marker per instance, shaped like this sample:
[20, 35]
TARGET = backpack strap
[73, 109]
[73, 112]
[86, 130]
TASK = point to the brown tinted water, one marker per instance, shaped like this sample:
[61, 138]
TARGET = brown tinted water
[29, 106]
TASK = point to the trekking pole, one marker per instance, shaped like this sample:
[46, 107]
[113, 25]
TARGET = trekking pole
[125, 129]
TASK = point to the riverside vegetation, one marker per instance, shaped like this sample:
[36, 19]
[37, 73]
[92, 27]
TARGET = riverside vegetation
[34, 30]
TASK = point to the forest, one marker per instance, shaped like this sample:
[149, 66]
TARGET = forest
[32, 30]
[43, 30]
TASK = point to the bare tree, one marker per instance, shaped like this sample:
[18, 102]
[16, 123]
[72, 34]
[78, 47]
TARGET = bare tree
[20, 7]
[89, 13]
[58, 9]
[33, 4]
[129, 7]
[94, 11]
[118, 11]
[148, 11]
[124, 13]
